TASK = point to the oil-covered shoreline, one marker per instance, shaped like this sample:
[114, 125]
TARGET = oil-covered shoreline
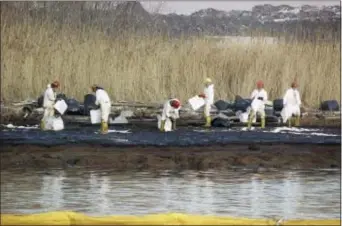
[256, 157]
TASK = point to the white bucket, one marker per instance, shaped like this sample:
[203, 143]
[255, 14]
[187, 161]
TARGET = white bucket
[95, 116]
[243, 116]
[53, 123]
[196, 102]
[167, 126]
[61, 106]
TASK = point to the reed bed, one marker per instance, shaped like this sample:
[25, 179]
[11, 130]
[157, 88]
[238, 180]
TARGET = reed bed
[137, 68]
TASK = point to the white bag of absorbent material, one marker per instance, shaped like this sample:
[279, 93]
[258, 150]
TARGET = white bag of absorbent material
[53, 123]
[95, 116]
[243, 116]
[196, 102]
[61, 106]
[167, 126]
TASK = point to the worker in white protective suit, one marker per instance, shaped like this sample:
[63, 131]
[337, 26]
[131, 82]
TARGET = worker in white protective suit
[291, 102]
[171, 112]
[259, 99]
[49, 102]
[208, 96]
[103, 100]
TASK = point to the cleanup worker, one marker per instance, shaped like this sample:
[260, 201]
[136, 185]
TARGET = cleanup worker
[208, 95]
[103, 100]
[259, 99]
[49, 102]
[291, 102]
[170, 111]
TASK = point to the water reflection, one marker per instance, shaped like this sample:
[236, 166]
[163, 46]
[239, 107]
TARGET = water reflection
[287, 194]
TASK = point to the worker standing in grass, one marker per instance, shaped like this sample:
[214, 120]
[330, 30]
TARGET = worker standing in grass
[49, 102]
[291, 102]
[103, 100]
[259, 99]
[171, 112]
[208, 95]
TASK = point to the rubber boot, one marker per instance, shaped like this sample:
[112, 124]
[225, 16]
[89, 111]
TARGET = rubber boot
[104, 127]
[297, 121]
[250, 119]
[162, 125]
[42, 124]
[263, 121]
[208, 121]
[174, 124]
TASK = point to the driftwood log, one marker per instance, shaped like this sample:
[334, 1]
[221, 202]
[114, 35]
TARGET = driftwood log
[27, 113]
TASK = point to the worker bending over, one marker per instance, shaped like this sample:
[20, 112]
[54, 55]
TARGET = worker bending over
[171, 112]
[291, 102]
[208, 95]
[49, 102]
[259, 98]
[103, 100]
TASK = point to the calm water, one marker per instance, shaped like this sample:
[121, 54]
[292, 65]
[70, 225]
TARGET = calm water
[278, 194]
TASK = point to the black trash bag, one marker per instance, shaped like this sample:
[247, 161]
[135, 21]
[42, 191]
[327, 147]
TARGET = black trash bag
[61, 96]
[40, 101]
[220, 122]
[73, 106]
[221, 105]
[242, 104]
[229, 113]
[89, 104]
[278, 105]
[271, 119]
[330, 105]
[238, 97]
[269, 111]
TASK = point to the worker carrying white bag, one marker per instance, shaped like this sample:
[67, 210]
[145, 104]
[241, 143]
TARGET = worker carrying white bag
[49, 102]
[103, 100]
[208, 96]
[259, 99]
[291, 102]
[170, 112]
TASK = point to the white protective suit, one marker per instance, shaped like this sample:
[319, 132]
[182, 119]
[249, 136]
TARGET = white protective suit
[258, 106]
[49, 102]
[103, 100]
[209, 99]
[169, 111]
[291, 102]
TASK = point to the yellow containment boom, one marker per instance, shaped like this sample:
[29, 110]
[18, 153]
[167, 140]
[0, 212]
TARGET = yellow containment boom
[73, 218]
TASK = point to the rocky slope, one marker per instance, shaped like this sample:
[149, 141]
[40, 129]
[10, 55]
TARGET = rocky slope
[261, 17]
[115, 18]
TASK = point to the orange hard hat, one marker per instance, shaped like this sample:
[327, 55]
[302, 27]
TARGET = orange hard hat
[175, 103]
[55, 84]
[260, 84]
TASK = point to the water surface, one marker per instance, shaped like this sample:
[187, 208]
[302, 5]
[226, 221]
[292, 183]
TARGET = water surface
[311, 194]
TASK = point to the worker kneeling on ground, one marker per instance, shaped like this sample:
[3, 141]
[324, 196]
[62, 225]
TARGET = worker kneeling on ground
[259, 99]
[208, 95]
[171, 112]
[103, 100]
[49, 102]
[291, 102]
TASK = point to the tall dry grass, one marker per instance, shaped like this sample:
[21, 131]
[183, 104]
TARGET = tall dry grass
[153, 69]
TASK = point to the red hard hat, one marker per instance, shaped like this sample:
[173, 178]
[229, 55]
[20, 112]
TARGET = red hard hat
[175, 103]
[260, 84]
[55, 84]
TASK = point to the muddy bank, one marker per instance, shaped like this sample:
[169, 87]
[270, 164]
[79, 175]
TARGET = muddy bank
[144, 115]
[251, 156]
